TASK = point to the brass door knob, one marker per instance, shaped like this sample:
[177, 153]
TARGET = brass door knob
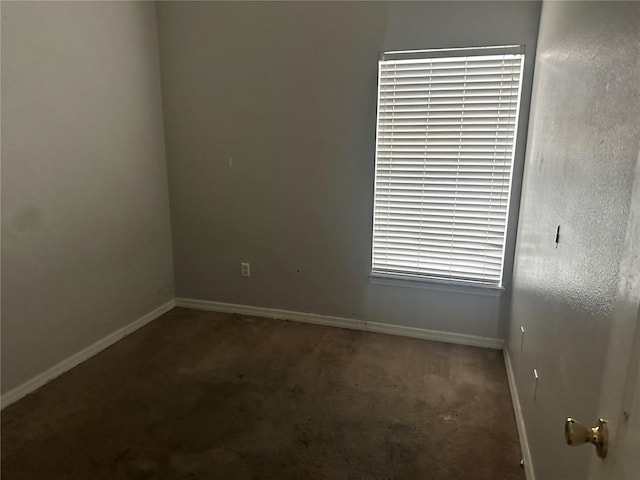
[577, 434]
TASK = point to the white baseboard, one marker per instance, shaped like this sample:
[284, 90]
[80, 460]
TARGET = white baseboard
[522, 432]
[350, 323]
[67, 364]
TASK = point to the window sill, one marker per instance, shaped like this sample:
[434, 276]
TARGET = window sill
[436, 284]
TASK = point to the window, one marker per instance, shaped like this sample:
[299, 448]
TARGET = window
[445, 141]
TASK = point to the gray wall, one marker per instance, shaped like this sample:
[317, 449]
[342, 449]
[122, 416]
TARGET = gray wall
[86, 245]
[584, 142]
[288, 91]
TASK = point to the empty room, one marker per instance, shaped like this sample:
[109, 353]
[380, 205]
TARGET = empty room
[320, 240]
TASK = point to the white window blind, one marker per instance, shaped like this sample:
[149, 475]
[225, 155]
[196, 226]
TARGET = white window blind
[445, 141]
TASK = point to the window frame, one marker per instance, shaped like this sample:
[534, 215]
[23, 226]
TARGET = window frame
[444, 283]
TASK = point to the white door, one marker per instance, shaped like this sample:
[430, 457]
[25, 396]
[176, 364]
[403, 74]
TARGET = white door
[620, 396]
[575, 297]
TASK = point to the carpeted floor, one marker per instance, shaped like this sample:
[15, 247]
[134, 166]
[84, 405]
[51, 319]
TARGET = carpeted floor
[201, 395]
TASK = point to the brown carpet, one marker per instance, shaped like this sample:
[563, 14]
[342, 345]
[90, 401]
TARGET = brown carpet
[215, 396]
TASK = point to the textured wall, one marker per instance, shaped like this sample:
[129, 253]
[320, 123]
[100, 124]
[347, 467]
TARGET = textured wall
[288, 90]
[583, 148]
[86, 245]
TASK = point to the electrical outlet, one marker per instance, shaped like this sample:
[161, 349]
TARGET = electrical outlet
[245, 269]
